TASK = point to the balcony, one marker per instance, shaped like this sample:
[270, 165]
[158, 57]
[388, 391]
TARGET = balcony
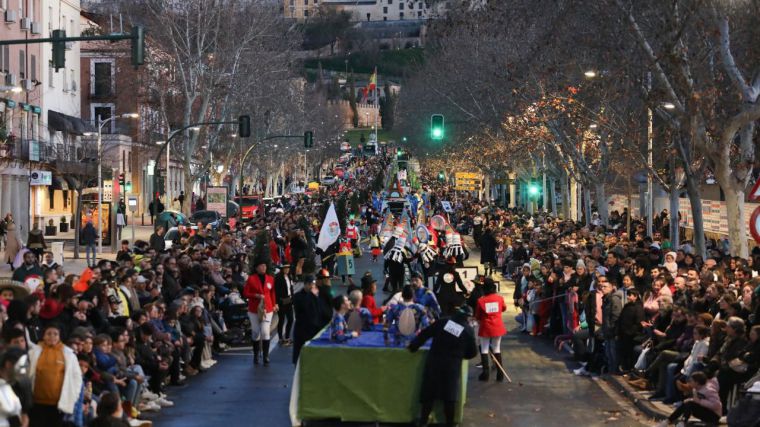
[26, 150]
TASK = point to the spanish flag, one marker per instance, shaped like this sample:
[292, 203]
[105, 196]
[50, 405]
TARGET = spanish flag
[373, 80]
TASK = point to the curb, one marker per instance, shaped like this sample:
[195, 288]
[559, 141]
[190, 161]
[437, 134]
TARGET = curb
[643, 404]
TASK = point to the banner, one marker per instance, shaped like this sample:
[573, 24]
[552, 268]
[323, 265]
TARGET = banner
[330, 230]
[216, 200]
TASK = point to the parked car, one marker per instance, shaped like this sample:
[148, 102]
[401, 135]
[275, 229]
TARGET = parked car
[173, 235]
[249, 205]
[169, 219]
[211, 218]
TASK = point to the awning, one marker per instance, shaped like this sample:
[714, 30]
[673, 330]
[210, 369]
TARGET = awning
[70, 124]
[59, 183]
[73, 182]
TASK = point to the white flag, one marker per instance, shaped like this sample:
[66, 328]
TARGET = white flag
[330, 229]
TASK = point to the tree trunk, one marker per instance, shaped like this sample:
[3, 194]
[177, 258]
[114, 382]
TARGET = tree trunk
[737, 228]
[565, 191]
[77, 222]
[695, 198]
[187, 177]
[553, 201]
[487, 185]
[675, 238]
[601, 202]
[573, 200]
[587, 204]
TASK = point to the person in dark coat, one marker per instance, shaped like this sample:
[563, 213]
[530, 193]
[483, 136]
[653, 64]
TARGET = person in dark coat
[90, 237]
[311, 315]
[446, 286]
[453, 341]
[283, 290]
[629, 329]
[488, 246]
[157, 240]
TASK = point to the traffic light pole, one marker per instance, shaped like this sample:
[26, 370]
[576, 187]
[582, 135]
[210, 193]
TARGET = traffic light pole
[165, 145]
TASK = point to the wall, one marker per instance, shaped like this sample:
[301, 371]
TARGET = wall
[366, 113]
[61, 89]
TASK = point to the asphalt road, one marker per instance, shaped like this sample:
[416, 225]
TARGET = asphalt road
[544, 391]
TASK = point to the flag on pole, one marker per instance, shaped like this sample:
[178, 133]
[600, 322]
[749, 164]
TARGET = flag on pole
[330, 230]
[373, 80]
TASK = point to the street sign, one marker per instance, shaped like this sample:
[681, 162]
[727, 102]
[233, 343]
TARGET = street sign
[467, 181]
[754, 224]
[132, 203]
[754, 195]
[38, 177]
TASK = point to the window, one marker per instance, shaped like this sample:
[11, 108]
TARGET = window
[51, 197]
[21, 64]
[369, 16]
[65, 199]
[390, 1]
[305, 2]
[33, 65]
[401, 6]
[306, 13]
[385, 18]
[419, 5]
[385, 9]
[101, 83]
[419, 14]
[401, 15]
[104, 111]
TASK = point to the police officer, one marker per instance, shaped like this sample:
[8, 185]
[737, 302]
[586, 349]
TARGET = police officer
[453, 341]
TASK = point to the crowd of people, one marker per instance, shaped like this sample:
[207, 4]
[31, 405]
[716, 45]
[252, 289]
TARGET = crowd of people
[682, 326]
[103, 346]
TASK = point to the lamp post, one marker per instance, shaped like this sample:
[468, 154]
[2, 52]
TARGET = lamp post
[167, 184]
[101, 123]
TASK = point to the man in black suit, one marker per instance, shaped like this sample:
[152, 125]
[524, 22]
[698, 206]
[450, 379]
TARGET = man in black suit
[283, 290]
[312, 314]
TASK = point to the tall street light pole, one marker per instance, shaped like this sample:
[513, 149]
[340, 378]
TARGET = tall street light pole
[101, 124]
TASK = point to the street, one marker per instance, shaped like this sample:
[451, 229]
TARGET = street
[543, 387]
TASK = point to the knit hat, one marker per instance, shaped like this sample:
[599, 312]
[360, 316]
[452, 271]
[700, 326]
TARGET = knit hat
[580, 264]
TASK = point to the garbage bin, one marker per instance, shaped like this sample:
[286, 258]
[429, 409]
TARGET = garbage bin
[57, 249]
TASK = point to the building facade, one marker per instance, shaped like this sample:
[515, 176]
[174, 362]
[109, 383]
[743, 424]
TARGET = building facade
[20, 107]
[361, 10]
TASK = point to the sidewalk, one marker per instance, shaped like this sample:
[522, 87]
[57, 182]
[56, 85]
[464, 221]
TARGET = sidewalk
[75, 266]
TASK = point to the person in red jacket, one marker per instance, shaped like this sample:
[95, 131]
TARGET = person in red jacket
[369, 287]
[488, 314]
[262, 304]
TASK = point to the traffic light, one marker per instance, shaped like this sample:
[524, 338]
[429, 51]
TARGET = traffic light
[122, 183]
[436, 127]
[308, 139]
[403, 139]
[138, 45]
[59, 49]
[128, 187]
[244, 126]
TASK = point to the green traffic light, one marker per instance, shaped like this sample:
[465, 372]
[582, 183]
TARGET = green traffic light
[437, 133]
[533, 190]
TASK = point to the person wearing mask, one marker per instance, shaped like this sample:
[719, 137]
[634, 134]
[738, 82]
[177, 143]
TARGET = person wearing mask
[262, 304]
[56, 379]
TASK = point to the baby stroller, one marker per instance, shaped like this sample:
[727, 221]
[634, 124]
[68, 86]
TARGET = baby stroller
[238, 332]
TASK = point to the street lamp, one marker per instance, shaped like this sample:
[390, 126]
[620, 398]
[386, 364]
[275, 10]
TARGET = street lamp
[668, 106]
[101, 124]
[590, 74]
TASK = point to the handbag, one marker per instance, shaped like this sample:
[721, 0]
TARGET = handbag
[641, 362]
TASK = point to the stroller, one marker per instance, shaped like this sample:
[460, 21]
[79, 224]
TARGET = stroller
[238, 332]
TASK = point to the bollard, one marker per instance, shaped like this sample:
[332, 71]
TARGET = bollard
[142, 218]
